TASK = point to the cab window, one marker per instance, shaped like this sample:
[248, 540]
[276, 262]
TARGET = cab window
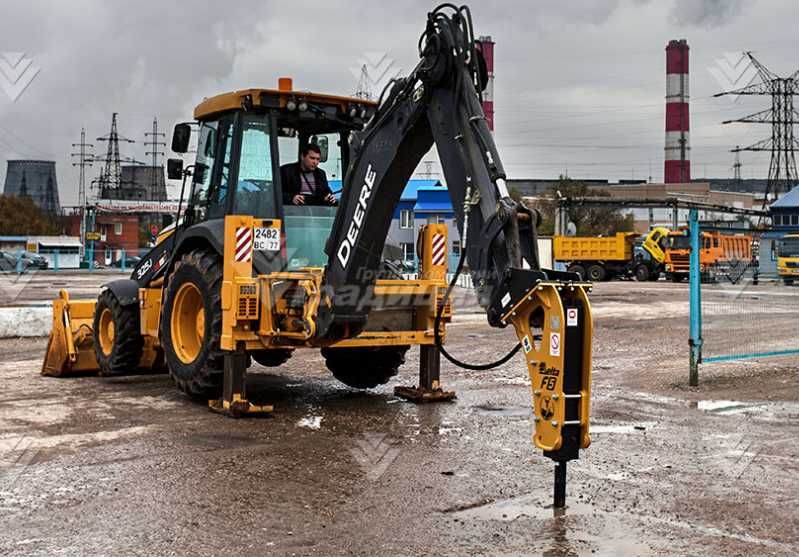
[255, 190]
[212, 170]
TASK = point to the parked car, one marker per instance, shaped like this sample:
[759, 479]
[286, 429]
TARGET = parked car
[8, 262]
[130, 262]
[34, 260]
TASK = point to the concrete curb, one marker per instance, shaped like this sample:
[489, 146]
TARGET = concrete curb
[25, 321]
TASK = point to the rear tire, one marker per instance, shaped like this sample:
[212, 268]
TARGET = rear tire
[579, 269]
[596, 273]
[191, 324]
[272, 358]
[118, 343]
[365, 368]
[642, 273]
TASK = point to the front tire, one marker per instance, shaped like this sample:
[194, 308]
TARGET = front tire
[642, 273]
[579, 269]
[365, 368]
[272, 358]
[118, 343]
[788, 282]
[596, 273]
[191, 324]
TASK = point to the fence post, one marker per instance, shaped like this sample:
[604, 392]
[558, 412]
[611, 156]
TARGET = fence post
[122, 258]
[695, 340]
[91, 255]
[55, 259]
[19, 263]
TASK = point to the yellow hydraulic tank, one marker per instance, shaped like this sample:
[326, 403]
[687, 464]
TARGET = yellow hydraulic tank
[594, 248]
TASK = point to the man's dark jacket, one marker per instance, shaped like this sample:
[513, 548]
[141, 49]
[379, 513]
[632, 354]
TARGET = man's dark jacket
[291, 183]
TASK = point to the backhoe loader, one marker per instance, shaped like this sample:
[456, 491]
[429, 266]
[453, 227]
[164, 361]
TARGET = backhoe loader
[242, 276]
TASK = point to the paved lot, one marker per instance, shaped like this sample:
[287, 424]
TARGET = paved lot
[129, 466]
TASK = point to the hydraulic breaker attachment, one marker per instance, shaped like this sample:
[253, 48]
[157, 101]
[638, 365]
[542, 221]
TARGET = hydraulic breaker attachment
[553, 323]
[70, 349]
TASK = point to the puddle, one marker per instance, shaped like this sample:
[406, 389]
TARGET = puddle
[578, 529]
[729, 406]
[638, 427]
[310, 422]
[525, 505]
[490, 410]
[761, 410]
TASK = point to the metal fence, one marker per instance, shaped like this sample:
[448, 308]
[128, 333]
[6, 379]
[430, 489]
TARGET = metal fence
[737, 311]
[55, 259]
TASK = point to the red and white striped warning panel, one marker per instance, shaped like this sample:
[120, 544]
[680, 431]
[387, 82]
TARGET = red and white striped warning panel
[243, 244]
[439, 249]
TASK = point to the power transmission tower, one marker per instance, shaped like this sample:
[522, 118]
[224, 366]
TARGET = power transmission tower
[85, 158]
[364, 90]
[782, 175]
[154, 144]
[110, 181]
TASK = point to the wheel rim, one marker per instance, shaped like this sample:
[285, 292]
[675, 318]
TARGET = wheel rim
[107, 331]
[188, 323]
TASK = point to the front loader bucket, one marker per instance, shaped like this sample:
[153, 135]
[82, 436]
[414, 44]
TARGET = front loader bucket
[70, 349]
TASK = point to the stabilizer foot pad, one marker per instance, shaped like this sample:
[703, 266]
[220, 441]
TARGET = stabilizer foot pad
[420, 395]
[239, 408]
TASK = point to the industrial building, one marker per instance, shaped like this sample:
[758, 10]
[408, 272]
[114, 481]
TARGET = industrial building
[35, 179]
[138, 183]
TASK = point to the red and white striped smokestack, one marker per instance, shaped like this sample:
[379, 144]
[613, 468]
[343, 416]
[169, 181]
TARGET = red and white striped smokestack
[486, 46]
[677, 167]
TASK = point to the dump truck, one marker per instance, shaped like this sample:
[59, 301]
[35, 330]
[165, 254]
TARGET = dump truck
[719, 255]
[244, 275]
[788, 258]
[625, 254]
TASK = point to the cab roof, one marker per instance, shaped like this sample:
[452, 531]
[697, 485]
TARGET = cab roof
[276, 98]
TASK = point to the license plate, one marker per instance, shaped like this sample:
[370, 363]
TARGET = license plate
[267, 239]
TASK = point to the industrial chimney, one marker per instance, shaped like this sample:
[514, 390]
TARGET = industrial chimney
[35, 179]
[486, 46]
[677, 167]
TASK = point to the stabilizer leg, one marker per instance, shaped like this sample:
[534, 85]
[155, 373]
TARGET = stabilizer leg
[429, 389]
[234, 401]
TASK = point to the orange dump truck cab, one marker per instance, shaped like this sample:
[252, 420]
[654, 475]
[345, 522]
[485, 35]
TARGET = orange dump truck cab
[718, 253]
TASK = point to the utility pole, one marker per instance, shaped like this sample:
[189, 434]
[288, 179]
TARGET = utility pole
[110, 181]
[782, 175]
[154, 144]
[85, 158]
[736, 167]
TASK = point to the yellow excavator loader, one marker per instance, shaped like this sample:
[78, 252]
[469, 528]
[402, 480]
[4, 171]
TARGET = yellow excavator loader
[249, 272]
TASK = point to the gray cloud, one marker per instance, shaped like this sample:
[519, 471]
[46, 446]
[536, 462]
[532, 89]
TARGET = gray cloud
[578, 84]
[705, 13]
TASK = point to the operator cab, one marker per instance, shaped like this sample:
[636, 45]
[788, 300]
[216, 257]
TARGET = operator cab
[244, 137]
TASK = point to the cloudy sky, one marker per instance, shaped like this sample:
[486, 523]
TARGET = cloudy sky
[579, 85]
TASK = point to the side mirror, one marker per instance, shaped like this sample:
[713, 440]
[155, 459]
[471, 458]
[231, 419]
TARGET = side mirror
[181, 137]
[322, 143]
[174, 169]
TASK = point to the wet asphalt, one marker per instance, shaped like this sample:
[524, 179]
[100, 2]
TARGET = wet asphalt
[130, 466]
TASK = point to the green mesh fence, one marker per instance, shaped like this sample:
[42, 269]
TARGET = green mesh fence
[745, 313]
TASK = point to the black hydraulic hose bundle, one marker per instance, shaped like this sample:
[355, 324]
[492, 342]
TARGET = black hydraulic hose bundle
[445, 23]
